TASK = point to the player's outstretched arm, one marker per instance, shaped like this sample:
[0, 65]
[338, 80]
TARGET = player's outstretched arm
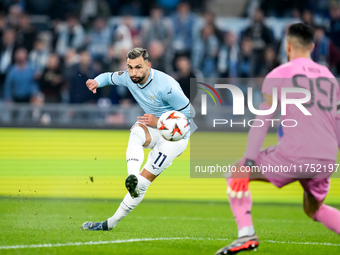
[92, 85]
[100, 81]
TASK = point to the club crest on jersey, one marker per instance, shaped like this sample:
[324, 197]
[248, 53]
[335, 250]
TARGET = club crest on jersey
[152, 97]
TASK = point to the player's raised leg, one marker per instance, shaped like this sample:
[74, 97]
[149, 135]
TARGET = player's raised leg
[139, 139]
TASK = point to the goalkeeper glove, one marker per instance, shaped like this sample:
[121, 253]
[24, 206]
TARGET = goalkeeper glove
[240, 181]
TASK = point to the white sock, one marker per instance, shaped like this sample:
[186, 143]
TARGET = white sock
[129, 203]
[134, 151]
[246, 231]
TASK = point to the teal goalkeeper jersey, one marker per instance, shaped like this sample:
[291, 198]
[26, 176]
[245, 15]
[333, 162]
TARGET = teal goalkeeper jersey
[159, 94]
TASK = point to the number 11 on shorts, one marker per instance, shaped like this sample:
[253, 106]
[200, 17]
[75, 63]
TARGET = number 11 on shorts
[160, 154]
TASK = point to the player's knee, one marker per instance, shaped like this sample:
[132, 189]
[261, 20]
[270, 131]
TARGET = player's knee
[137, 133]
[310, 205]
[141, 131]
[308, 211]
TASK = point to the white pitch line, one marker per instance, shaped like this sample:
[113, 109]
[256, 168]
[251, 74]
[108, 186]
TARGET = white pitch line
[303, 243]
[30, 246]
[91, 243]
[211, 219]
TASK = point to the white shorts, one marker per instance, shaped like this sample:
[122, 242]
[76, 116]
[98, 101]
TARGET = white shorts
[162, 152]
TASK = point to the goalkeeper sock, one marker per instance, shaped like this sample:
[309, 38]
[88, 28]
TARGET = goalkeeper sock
[241, 210]
[329, 217]
[129, 203]
[134, 151]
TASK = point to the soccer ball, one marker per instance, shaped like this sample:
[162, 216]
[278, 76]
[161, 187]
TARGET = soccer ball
[173, 125]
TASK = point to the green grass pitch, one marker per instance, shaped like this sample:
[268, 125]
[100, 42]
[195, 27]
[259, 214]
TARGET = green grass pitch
[46, 193]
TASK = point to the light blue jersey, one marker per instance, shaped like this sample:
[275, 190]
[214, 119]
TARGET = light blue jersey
[159, 94]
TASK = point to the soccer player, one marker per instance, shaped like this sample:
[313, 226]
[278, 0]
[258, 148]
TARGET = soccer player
[314, 140]
[157, 93]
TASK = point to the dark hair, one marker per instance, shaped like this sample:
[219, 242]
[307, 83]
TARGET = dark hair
[319, 27]
[303, 32]
[137, 52]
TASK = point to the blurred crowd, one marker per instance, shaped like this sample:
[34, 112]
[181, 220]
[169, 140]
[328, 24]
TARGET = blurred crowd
[49, 60]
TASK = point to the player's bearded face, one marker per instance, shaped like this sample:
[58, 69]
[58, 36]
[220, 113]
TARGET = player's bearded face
[138, 79]
[138, 69]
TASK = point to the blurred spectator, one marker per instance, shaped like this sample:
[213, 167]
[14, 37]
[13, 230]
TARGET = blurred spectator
[123, 39]
[183, 22]
[246, 68]
[246, 59]
[77, 79]
[111, 60]
[20, 86]
[13, 17]
[70, 35]
[38, 57]
[210, 19]
[99, 39]
[3, 23]
[128, 21]
[7, 49]
[227, 57]
[183, 75]
[88, 10]
[282, 55]
[157, 28]
[334, 30]
[205, 51]
[26, 33]
[261, 34]
[51, 80]
[268, 62]
[307, 17]
[156, 55]
[325, 52]
[71, 59]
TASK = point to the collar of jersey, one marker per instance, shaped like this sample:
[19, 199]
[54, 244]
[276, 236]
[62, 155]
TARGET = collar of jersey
[148, 81]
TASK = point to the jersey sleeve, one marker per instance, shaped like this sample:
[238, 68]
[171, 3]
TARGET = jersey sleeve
[120, 78]
[115, 78]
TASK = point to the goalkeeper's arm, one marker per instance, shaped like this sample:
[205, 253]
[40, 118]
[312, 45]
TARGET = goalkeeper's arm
[239, 185]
